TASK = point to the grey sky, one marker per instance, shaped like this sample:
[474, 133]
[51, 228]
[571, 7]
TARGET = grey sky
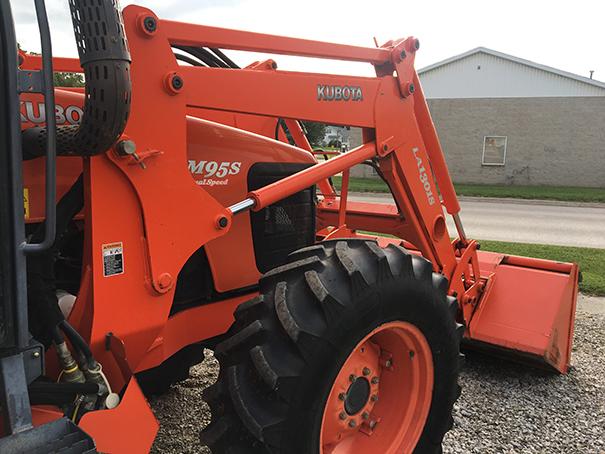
[567, 36]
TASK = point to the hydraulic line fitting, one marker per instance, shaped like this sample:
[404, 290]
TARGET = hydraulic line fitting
[71, 371]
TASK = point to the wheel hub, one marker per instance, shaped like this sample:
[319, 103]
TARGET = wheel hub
[357, 396]
[381, 396]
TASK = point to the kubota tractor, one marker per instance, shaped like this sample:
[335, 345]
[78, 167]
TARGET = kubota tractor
[193, 214]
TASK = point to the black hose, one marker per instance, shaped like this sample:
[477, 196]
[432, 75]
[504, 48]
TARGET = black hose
[41, 386]
[201, 54]
[59, 394]
[43, 310]
[78, 342]
[58, 337]
[223, 57]
[211, 57]
[187, 59]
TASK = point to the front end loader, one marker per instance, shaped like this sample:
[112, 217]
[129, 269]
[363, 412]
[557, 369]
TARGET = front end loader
[174, 203]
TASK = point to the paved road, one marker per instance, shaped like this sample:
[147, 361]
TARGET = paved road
[526, 222]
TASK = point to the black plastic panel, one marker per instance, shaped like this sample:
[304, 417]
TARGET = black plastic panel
[285, 226]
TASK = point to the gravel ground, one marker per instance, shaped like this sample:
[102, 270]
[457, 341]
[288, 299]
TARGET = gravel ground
[504, 408]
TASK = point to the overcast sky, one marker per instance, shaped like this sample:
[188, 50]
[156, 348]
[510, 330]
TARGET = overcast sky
[562, 34]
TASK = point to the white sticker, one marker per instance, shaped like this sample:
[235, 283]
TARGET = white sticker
[113, 259]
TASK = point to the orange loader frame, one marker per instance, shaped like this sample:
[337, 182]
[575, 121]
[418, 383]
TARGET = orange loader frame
[512, 304]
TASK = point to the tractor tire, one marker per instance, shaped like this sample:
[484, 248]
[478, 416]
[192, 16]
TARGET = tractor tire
[158, 380]
[347, 340]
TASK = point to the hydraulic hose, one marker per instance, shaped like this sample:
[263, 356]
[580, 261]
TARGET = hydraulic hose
[104, 56]
[50, 393]
[44, 312]
[78, 342]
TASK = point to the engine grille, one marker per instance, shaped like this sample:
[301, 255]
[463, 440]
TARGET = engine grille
[285, 226]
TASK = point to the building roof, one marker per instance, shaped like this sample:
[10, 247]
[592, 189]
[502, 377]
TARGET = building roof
[514, 59]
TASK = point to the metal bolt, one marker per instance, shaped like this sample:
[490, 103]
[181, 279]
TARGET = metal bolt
[366, 371]
[374, 398]
[150, 24]
[385, 147]
[177, 82]
[342, 415]
[165, 281]
[372, 424]
[342, 396]
[402, 54]
[412, 353]
[365, 415]
[36, 354]
[375, 380]
[223, 222]
[352, 423]
[388, 363]
[352, 378]
[411, 88]
[127, 147]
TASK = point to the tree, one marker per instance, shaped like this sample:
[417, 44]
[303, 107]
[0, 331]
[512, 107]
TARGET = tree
[68, 80]
[315, 132]
[61, 79]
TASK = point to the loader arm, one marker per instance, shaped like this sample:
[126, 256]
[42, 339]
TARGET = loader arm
[381, 105]
[384, 108]
[399, 136]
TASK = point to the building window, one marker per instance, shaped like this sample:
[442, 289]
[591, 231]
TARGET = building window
[494, 151]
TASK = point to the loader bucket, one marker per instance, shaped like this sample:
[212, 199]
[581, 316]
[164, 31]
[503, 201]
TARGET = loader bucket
[526, 311]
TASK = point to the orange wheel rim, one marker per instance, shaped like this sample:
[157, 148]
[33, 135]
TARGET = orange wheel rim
[381, 397]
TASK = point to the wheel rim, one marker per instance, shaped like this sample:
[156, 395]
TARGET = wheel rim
[381, 397]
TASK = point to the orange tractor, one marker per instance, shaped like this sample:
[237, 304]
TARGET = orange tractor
[193, 214]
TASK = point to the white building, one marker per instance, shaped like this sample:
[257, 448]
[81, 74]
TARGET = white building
[505, 120]
[486, 73]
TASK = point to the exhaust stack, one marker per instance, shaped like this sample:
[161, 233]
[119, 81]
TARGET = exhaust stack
[104, 56]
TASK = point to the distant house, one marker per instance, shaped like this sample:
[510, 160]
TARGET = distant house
[505, 120]
[337, 134]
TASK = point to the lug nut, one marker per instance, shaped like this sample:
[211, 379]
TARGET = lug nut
[374, 398]
[352, 378]
[366, 371]
[375, 380]
[342, 415]
[342, 396]
[412, 353]
[352, 423]
[365, 415]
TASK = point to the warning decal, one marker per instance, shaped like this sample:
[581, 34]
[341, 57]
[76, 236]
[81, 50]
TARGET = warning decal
[113, 259]
[26, 202]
